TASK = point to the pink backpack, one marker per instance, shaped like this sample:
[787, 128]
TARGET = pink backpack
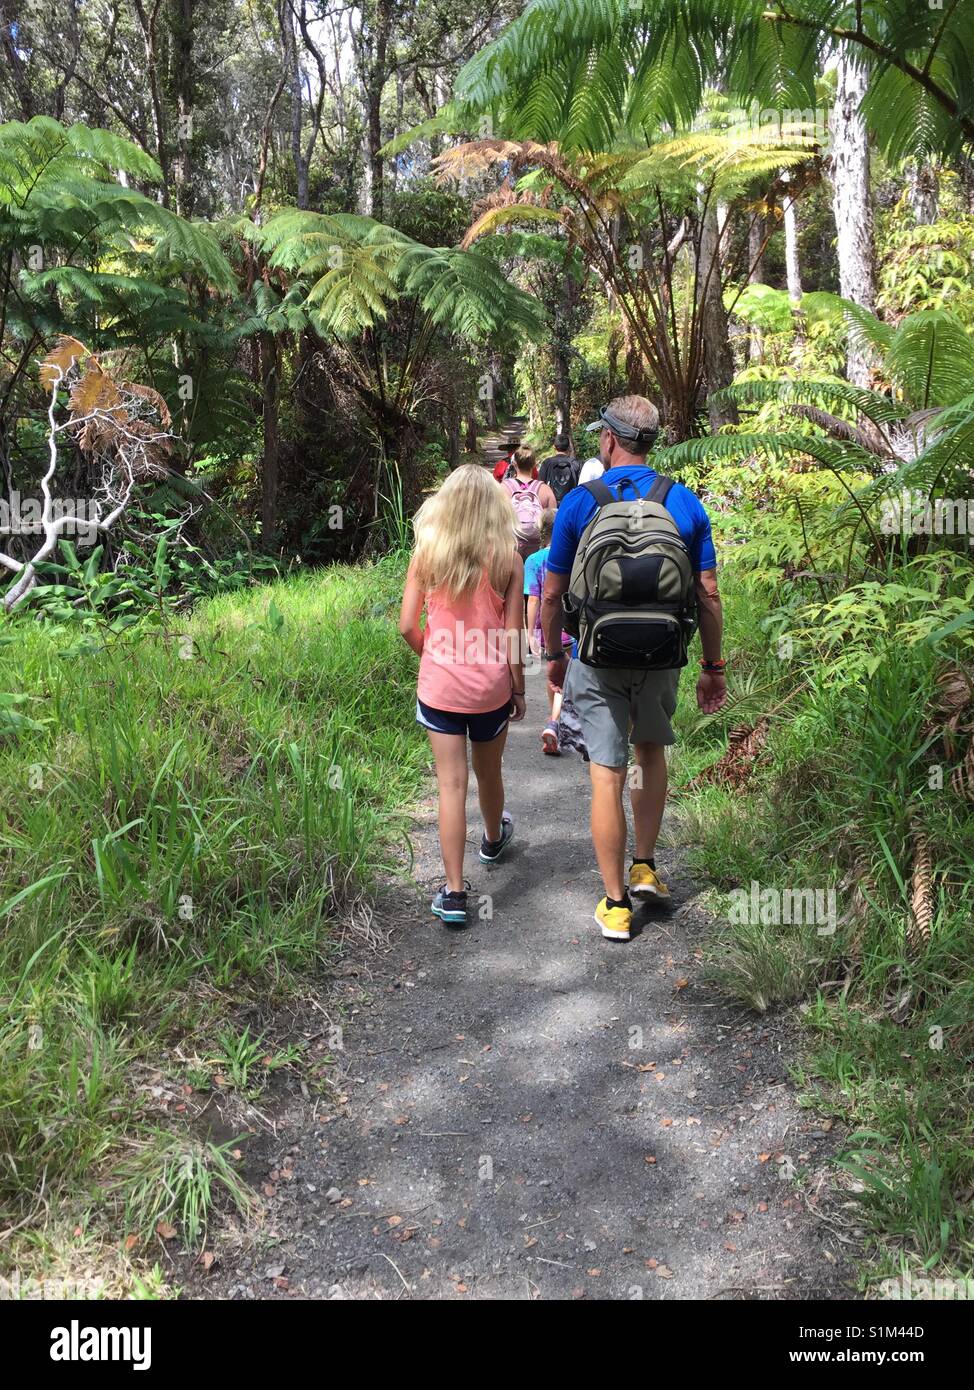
[527, 508]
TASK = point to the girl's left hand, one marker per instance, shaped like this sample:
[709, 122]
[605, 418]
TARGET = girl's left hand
[518, 708]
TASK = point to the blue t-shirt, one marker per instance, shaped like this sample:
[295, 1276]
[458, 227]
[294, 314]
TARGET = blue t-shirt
[534, 568]
[684, 506]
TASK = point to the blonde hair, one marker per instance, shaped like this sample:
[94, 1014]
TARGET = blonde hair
[463, 529]
[524, 459]
[546, 525]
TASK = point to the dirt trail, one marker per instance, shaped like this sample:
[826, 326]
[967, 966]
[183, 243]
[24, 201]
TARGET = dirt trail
[494, 447]
[505, 1134]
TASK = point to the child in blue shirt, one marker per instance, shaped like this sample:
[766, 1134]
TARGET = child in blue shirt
[562, 729]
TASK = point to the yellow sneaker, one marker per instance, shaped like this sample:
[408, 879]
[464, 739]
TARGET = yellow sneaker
[614, 921]
[645, 882]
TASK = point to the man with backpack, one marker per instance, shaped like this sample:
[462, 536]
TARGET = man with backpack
[632, 572]
[560, 471]
[531, 498]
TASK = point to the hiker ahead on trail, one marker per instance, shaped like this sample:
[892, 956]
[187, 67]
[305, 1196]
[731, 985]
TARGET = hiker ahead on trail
[560, 471]
[531, 498]
[466, 575]
[504, 467]
[633, 558]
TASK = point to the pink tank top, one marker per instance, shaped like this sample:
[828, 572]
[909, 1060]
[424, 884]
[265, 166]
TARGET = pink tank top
[464, 665]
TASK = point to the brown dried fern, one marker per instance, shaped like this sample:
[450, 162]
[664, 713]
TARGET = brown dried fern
[734, 767]
[921, 893]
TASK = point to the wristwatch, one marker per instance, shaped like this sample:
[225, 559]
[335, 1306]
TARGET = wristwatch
[718, 667]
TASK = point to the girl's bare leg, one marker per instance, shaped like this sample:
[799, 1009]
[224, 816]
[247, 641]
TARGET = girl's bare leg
[490, 783]
[450, 755]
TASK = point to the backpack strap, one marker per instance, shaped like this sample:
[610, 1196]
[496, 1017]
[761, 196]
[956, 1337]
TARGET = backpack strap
[660, 490]
[603, 494]
[601, 491]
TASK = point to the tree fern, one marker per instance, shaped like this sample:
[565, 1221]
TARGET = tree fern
[354, 268]
[920, 436]
[112, 153]
[58, 191]
[497, 218]
[468, 293]
[930, 358]
[654, 58]
[42, 150]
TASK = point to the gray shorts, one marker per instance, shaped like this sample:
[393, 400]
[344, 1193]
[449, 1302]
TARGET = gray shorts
[619, 707]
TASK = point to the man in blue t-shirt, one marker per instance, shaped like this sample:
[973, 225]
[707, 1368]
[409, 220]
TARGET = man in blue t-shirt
[619, 707]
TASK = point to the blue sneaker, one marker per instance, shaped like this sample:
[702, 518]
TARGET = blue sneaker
[490, 853]
[450, 907]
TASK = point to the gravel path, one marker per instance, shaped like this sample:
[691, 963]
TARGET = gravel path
[533, 1112]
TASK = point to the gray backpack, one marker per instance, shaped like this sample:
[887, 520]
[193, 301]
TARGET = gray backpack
[631, 599]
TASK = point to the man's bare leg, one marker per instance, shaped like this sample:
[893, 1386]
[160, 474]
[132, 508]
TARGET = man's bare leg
[648, 793]
[609, 827]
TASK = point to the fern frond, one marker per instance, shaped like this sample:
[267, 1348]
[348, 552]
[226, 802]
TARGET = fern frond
[829, 393]
[495, 218]
[839, 457]
[468, 293]
[112, 153]
[930, 357]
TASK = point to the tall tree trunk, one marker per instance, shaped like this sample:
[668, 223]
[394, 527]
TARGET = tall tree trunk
[270, 392]
[147, 23]
[612, 354]
[851, 201]
[374, 66]
[793, 272]
[400, 105]
[292, 62]
[182, 24]
[756, 276]
[374, 134]
[924, 192]
[679, 418]
[561, 354]
[12, 22]
[637, 382]
[452, 436]
[492, 385]
[718, 359]
[563, 397]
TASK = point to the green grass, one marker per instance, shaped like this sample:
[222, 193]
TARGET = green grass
[829, 805]
[190, 824]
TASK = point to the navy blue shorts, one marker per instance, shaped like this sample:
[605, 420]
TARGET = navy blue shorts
[479, 728]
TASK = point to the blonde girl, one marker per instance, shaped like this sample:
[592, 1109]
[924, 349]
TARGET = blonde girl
[468, 577]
